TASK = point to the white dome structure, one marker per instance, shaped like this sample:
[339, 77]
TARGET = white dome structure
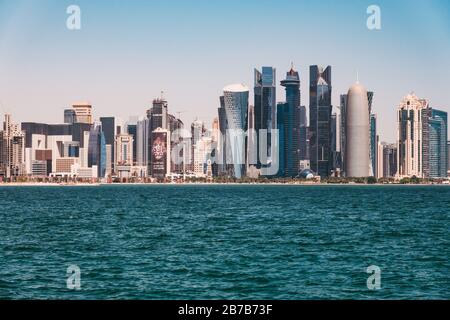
[357, 152]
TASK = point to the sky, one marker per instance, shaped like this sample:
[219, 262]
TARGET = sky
[127, 52]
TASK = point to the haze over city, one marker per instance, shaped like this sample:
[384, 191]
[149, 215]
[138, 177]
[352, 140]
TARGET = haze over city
[126, 54]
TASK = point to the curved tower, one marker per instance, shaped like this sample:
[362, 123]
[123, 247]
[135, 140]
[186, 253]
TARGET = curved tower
[357, 153]
[236, 110]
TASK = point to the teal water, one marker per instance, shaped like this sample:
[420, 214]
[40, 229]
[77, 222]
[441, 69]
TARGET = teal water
[225, 242]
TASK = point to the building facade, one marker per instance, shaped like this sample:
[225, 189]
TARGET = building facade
[289, 125]
[97, 150]
[235, 99]
[83, 112]
[320, 109]
[435, 143]
[357, 151]
[410, 135]
[264, 109]
[124, 150]
[12, 149]
[422, 138]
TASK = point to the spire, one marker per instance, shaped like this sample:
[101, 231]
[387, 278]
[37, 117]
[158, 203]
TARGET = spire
[357, 76]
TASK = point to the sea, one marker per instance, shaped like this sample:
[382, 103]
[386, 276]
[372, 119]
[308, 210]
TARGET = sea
[282, 242]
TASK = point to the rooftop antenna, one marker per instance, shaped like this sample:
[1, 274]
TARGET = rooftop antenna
[357, 76]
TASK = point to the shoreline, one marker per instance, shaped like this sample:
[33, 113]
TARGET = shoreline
[51, 184]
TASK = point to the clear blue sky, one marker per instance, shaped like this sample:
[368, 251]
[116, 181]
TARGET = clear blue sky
[128, 51]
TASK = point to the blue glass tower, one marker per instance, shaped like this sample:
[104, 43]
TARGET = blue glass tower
[97, 150]
[288, 124]
[265, 108]
[438, 144]
[320, 120]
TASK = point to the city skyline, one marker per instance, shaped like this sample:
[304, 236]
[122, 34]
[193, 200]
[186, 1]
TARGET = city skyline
[192, 64]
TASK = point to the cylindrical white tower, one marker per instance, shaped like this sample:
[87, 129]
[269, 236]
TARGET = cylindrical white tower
[357, 154]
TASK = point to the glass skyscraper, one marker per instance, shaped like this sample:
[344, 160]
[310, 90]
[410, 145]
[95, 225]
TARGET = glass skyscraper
[373, 143]
[132, 130]
[235, 99]
[97, 149]
[288, 124]
[320, 120]
[265, 107]
[437, 144]
[111, 128]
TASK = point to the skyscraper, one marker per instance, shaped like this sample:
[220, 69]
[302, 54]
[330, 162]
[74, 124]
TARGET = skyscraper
[288, 116]
[265, 108]
[97, 149]
[158, 114]
[389, 160]
[124, 150]
[303, 139]
[111, 127]
[343, 136]
[160, 154]
[410, 151]
[435, 144]
[70, 116]
[357, 154]
[222, 148]
[320, 120]
[422, 133]
[448, 158]
[373, 144]
[132, 130]
[143, 139]
[12, 149]
[335, 144]
[83, 112]
[236, 110]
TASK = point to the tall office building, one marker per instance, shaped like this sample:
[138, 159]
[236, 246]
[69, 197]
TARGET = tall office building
[12, 149]
[158, 114]
[235, 99]
[265, 109]
[373, 132]
[343, 138]
[97, 150]
[357, 152]
[373, 144]
[143, 139]
[288, 118]
[303, 139]
[175, 126]
[70, 116]
[335, 144]
[132, 131]
[379, 160]
[198, 130]
[389, 160]
[83, 112]
[222, 148]
[160, 154]
[320, 120]
[124, 150]
[448, 158]
[434, 143]
[410, 136]
[111, 127]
